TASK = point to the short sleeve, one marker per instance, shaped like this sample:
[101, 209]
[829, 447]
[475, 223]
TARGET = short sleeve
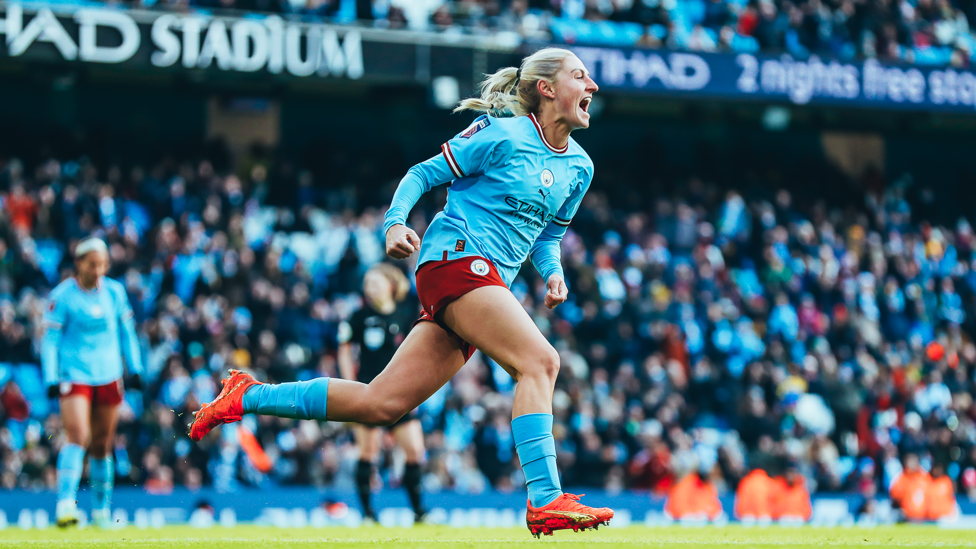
[470, 152]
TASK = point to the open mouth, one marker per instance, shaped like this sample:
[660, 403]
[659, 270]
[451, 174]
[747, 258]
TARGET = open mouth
[584, 105]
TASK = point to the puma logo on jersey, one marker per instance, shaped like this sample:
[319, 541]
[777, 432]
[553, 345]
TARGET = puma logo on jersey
[545, 194]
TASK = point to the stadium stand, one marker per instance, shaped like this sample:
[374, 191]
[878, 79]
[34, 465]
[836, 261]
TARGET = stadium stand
[708, 328]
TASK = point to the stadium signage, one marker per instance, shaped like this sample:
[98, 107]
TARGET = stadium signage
[768, 78]
[190, 41]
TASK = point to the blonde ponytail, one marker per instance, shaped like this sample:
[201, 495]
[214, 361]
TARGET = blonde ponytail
[515, 92]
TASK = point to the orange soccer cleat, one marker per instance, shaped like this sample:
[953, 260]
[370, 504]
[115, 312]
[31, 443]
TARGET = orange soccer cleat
[564, 513]
[228, 407]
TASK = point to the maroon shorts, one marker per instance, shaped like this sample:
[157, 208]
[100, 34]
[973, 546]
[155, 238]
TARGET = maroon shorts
[441, 282]
[109, 394]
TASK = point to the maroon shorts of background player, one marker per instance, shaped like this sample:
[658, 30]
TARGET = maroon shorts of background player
[109, 394]
[441, 282]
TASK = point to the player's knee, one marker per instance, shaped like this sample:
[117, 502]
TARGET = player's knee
[551, 364]
[540, 365]
[78, 436]
[547, 363]
[99, 449]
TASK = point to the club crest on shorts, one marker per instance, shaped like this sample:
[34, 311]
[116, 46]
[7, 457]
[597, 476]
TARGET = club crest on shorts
[547, 178]
[479, 267]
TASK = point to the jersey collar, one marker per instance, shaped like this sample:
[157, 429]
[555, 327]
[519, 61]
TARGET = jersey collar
[98, 285]
[538, 128]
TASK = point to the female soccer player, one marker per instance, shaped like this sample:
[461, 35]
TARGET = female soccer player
[377, 329]
[89, 330]
[517, 179]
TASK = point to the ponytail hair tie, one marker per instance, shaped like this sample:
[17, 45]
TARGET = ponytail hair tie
[518, 77]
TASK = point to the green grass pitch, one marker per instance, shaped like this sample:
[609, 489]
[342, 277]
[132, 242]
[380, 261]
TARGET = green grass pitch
[242, 537]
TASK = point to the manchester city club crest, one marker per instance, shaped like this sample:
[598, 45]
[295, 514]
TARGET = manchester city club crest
[547, 178]
[479, 267]
[96, 311]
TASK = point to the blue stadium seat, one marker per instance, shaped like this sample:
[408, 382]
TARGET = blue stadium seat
[932, 56]
[28, 377]
[49, 255]
[743, 43]
[604, 33]
[694, 10]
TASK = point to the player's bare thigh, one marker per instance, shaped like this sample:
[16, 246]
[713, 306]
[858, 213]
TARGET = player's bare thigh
[493, 320]
[426, 360]
[76, 418]
[104, 420]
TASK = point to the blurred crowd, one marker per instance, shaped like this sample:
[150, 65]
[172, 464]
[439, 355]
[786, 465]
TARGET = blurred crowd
[933, 32]
[708, 330]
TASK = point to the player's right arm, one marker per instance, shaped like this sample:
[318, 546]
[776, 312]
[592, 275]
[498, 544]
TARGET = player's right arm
[468, 153]
[54, 319]
[347, 364]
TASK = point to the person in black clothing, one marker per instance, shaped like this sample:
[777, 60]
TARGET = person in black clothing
[375, 331]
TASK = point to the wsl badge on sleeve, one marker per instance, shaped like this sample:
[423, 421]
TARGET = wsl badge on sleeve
[478, 125]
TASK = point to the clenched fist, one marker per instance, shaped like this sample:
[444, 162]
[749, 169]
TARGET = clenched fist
[556, 291]
[401, 242]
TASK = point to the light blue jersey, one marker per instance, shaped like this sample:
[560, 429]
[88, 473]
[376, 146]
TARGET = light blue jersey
[88, 332]
[512, 195]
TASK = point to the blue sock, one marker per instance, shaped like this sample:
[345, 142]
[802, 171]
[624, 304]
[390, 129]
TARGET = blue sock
[299, 400]
[537, 451]
[71, 460]
[102, 481]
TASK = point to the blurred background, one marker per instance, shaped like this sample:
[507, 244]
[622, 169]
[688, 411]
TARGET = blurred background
[772, 269]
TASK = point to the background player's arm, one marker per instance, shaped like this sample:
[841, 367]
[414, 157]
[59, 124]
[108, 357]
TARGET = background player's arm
[130, 340]
[54, 319]
[347, 364]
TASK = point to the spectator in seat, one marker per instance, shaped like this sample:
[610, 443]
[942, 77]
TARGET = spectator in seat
[694, 498]
[754, 498]
[909, 489]
[791, 499]
[940, 497]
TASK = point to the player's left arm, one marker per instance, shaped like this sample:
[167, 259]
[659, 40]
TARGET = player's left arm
[54, 320]
[130, 340]
[545, 252]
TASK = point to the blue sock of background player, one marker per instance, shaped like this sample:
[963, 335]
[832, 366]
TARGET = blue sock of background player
[71, 460]
[102, 482]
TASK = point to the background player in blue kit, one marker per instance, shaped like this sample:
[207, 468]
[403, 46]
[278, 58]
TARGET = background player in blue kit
[517, 178]
[89, 329]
